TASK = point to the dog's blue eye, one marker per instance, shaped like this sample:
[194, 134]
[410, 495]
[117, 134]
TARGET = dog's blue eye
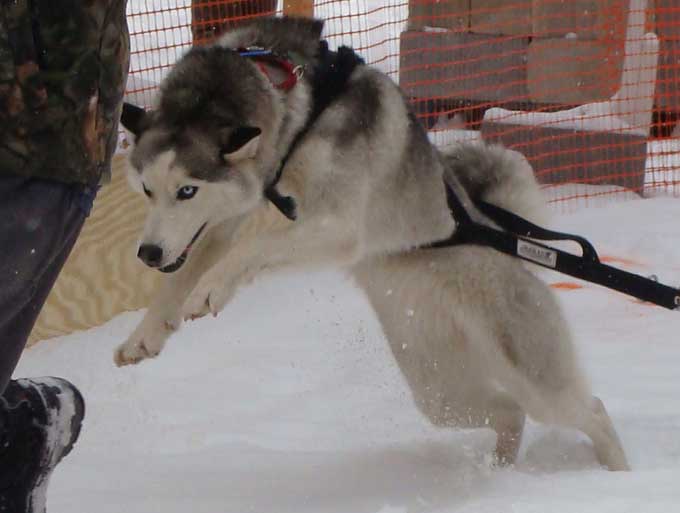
[147, 191]
[186, 192]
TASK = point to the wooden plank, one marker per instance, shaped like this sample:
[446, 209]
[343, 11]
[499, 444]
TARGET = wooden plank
[572, 156]
[102, 276]
[449, 14]
[298, 7]
[501, 17]
[464, 66]
[668, 76]
[587, 19]
[573, 72]
[668, 19]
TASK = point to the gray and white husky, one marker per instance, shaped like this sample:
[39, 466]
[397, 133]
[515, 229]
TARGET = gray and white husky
[486, 343]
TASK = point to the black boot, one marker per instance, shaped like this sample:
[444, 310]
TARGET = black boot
[40, 421]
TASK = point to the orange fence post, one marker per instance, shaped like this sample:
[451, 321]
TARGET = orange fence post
[298, 7]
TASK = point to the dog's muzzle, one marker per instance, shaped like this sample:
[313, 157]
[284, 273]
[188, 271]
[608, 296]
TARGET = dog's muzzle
[171, 268]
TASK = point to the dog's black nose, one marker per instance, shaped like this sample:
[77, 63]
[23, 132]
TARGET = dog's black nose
[150, 254]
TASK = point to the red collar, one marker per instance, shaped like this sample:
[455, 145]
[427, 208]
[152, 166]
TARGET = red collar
[264, 57]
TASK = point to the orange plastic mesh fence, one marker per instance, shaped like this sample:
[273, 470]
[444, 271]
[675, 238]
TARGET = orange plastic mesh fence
[587, 90]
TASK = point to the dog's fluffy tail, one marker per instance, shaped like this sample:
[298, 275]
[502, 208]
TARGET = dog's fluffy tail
[499, 176]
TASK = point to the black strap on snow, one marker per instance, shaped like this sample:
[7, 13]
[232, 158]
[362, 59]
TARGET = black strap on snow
[329, 80]
[515, 241]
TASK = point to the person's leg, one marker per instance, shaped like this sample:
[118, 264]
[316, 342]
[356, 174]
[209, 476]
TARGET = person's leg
[39, 223]
[40, 418]
[63, 69]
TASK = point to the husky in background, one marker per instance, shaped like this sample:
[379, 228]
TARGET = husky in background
[486, 343]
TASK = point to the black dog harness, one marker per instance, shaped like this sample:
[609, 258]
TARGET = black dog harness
[329, 80]
[517, 236]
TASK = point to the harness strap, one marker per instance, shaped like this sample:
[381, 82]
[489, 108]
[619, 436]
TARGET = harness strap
[329, 80]
[516, 242]
[285, 204]
[261, 57]
[518, 225]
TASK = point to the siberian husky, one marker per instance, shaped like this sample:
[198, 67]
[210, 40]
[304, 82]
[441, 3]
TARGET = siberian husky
[269, 113]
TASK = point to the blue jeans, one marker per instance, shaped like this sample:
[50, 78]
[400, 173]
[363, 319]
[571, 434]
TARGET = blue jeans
[40, 221]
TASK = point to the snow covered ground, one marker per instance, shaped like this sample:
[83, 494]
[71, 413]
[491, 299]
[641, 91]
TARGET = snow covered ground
[290, 401]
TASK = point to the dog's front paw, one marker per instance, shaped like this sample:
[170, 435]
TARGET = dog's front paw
[145, 342]
[131, 352]
[209, 296]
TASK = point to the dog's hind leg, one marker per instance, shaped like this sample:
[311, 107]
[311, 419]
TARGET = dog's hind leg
[598, 426]
[502, 414]
[587, 414]
[507, 420]
[479, 409]
[559, 394]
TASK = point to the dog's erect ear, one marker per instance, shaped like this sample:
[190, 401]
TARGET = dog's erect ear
[240, 143]
[312, 26]
[133, 118]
